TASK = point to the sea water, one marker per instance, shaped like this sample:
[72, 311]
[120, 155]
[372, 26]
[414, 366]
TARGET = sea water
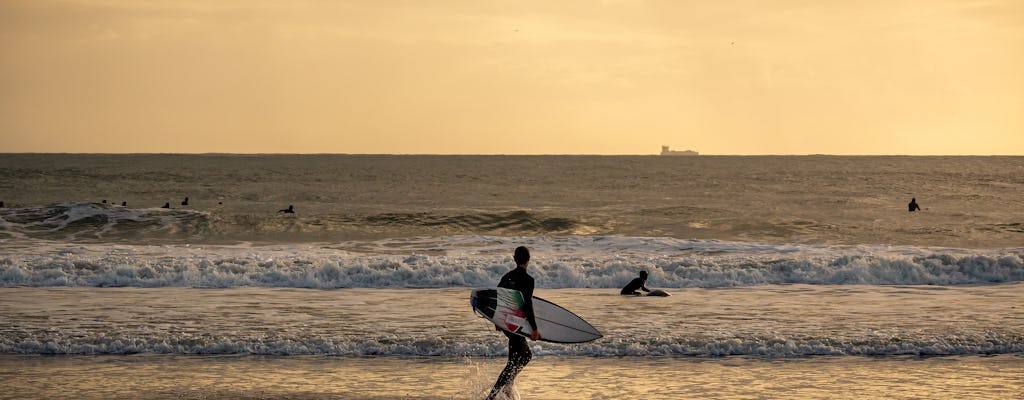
[791, 277]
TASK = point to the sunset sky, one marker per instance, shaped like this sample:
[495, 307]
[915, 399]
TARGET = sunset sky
[513, 77]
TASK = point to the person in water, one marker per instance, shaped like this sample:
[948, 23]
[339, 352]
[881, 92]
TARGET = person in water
[636, 284]
[184, 202]
[519, 353]
[166, 205]
[289, 210]
[913, 205]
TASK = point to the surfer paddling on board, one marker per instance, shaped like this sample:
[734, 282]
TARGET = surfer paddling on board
[636, 284]
[519, 353]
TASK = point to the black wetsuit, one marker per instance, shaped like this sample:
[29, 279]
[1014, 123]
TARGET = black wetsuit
[634, 285]
[519, 353]
[913, 206]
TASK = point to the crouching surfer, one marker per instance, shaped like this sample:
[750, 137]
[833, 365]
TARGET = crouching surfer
[634, 286]
[519, 353]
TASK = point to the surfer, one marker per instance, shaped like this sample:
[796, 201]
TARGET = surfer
[913, 205]
[166, 205]
[519, 353]
[184, 202]
[289, 210]
[636, 284]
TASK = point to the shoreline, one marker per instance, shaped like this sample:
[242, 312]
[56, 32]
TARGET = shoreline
[548, 377]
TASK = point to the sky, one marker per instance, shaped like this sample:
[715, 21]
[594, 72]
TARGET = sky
[916, 77]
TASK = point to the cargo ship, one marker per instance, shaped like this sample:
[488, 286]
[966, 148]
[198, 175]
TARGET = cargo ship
[666, 152]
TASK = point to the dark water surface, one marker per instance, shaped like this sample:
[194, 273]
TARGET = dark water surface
[968, 202]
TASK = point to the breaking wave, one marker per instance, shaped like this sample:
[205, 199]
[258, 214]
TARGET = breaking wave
[96, 221]
[55, 342]
[470, 261]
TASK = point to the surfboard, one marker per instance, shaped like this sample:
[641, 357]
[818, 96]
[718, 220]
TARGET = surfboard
[658, 293]
[503, 307]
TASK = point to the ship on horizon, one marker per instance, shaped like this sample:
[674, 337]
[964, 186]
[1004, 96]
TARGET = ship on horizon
[665, 151]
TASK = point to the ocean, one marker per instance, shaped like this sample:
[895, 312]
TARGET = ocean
[791, 276]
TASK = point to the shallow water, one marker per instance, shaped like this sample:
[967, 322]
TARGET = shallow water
[547, 377]
[772, 320]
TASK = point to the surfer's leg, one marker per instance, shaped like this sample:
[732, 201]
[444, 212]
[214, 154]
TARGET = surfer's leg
[519, 355]
[523, 356]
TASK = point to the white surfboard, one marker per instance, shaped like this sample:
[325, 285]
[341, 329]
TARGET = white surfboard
[503, 307]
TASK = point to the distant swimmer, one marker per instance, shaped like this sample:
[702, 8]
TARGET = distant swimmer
[184, 202]
[166, 205]
[289, 210]
[124, 204]
[913, 205]
[104, 201]
[1, 204]
[636, 284]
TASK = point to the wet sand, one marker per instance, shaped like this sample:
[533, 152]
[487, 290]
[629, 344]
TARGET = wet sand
[550, 377]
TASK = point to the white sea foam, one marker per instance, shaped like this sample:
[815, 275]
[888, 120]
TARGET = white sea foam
[393, 345]
[465, 261]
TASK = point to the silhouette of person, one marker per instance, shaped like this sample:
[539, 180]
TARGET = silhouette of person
[124, 204]
[1, 204]
[519, 353]
[184, 202]
[913, 205]
[636, 284]
[289, 210]
[166, 205]
[104, 201]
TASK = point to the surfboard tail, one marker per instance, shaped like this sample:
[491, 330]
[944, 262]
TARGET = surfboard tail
[483, 302]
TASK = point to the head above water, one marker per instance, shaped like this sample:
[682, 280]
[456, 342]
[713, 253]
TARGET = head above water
[643, 275]
[522, 255]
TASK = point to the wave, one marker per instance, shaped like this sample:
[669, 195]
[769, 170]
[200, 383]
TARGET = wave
[102, 222]
[55, 342]
[475, 261]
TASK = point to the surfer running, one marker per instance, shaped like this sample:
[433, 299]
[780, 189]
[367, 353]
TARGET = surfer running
[519, 353]
[636, 284]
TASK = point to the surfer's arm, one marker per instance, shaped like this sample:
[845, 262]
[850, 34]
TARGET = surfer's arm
[528, 307]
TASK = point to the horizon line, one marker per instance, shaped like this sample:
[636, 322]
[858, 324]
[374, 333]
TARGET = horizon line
[513, 154]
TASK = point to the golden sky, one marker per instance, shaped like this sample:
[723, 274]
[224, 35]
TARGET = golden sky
[513, 77]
